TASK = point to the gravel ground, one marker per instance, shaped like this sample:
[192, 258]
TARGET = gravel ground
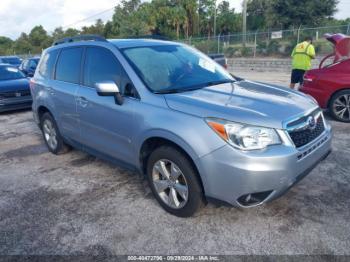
[77, 204]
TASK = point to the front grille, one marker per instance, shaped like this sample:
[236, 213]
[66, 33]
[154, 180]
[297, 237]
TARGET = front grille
[12, 94]
[307, 135]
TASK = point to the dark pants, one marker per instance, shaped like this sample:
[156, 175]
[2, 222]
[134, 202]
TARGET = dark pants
[297, 76]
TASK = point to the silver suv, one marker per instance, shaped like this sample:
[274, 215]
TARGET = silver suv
[171, 113]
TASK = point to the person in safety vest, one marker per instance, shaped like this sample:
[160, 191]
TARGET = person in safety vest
[302, 55]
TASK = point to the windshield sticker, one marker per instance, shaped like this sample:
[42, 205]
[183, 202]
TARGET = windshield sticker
[207, 65]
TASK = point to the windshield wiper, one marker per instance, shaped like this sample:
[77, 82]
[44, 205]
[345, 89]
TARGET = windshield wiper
[170, 91]
[194, 87]
[213, 83]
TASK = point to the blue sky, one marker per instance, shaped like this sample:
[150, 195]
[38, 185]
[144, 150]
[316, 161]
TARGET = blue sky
[21, 15]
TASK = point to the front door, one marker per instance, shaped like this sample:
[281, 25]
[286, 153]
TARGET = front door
[105, 126]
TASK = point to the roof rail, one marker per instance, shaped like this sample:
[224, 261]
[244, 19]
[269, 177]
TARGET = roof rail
[79, 38]
[156, 37]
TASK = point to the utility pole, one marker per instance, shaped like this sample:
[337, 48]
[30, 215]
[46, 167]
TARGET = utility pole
[244, 29]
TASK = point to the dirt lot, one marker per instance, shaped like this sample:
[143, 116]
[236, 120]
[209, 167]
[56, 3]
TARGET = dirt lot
[76, 204]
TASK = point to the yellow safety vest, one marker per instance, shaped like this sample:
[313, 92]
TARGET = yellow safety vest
[302, 55]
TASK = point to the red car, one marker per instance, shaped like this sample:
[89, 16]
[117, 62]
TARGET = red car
[330, 84]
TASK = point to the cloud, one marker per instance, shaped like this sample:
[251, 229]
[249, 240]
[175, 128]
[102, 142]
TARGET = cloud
[18, 16]
[22, 15]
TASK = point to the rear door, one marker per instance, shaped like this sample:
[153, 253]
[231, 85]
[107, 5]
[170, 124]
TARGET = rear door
[67, 79]
[105, 126]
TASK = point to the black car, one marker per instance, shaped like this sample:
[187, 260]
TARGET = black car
[14, 89]
[220, 59]
[29, 65]
[11, 60]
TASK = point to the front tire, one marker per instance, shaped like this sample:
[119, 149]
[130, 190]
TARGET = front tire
[174, 181]
[52, 136]
[339, 106]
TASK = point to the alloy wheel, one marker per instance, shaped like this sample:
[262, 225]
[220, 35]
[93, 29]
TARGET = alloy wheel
[341, 107]
[50, 134]
[170, 183]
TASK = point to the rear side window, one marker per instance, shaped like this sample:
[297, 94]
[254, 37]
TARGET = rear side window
[100, 66]
[68, 65]
[47, 64]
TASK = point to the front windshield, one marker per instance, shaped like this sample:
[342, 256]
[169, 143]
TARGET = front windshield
[10, 73]
[11, 60]
[175, 68]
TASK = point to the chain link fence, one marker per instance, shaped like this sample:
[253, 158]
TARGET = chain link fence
[277, 44]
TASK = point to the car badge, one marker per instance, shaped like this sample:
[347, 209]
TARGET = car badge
[311, 122]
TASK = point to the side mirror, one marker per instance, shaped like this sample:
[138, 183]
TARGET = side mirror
[110, 89]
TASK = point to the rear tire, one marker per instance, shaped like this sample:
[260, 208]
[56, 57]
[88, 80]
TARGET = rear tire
[52, 136]
[181, 193]
[339, 106]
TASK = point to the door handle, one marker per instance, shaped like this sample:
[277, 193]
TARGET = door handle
[83, 102]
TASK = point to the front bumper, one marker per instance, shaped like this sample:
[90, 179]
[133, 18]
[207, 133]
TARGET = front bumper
[229, 175]
[15, 103]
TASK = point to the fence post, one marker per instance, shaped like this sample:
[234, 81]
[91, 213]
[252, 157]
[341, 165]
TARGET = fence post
[348, 30]
[299, 33]
[255, 44]
[219, 43]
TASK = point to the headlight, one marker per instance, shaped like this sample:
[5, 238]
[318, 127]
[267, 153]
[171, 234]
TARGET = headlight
[244, 137]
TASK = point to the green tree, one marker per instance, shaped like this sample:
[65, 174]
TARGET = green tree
[227, 20]
[95, 29]
[22, 45]
[6, 45]
[39, 39]
[289, 13]
[256, 14]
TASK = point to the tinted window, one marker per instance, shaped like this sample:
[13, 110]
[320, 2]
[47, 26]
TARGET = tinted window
[32, 63]
[68, 65]
[100, 66]
[47, 64]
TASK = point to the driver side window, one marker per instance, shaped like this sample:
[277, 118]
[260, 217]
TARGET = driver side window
[102, 66]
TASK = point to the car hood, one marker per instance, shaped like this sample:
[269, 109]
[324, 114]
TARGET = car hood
[14, 85]
[245, 102]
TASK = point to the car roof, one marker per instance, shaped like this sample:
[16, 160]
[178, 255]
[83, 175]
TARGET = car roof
[118, 43]
[33, 58]
[9, 56]
[129, 43]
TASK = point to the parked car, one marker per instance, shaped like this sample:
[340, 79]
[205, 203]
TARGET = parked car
[220, 59]
[168, 111]
[29, 65]
[11, 60]
[330, 84]
[14, 89]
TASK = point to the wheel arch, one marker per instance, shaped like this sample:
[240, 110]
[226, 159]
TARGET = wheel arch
[150, 143]
[334, 94]
[42, 110]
